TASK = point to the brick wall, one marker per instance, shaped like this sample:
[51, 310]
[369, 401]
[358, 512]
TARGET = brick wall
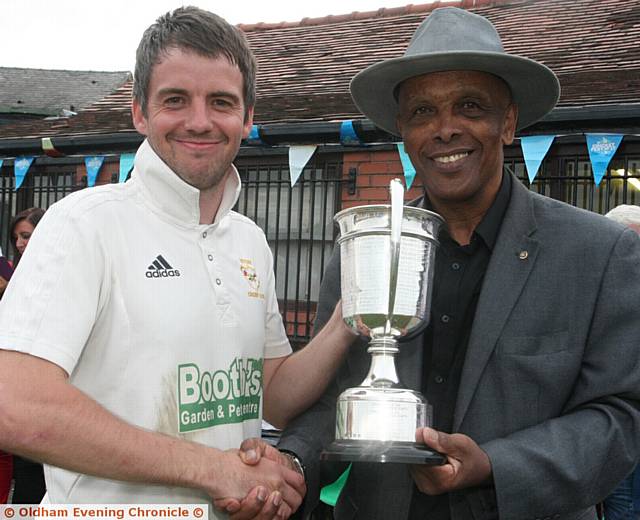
[375, 170]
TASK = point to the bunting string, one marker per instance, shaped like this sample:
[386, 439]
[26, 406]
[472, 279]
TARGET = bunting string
[601, 148]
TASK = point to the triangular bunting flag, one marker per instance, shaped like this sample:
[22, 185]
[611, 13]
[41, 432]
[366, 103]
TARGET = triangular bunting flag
[348, 135]
[126, 164]
[407, 165]
[93, 164]
[254, 136]
[331, 492]
[298, 158]
[49, 149]
[602, 148]
[534, 150]
[21, 166]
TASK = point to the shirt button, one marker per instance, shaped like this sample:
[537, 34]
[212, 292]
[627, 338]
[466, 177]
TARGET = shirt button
[455, 266]
[439, 379]
[210, 257]
[445, 318]
[204, 234]
[218, 281]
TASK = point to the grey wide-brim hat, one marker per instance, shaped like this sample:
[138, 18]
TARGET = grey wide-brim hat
[454, 39]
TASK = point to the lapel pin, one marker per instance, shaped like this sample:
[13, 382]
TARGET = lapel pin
[523, 255]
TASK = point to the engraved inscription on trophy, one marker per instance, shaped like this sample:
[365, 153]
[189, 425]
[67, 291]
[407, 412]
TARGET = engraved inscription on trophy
[387, 263]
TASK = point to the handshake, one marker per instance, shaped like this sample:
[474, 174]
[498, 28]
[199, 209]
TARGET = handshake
[261, 483]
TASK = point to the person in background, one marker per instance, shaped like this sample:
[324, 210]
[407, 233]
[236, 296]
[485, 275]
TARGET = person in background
[28, 476]
[6, 271]
[627, 215]
[21, 229]
[624, 502]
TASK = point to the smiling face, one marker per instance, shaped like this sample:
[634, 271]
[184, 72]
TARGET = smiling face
[195, 116]
[454, 126]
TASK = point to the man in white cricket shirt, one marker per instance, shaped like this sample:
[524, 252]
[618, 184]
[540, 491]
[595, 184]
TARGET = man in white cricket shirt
[141, 339]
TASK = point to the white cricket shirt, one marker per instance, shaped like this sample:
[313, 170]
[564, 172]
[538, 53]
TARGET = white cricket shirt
[162, 320]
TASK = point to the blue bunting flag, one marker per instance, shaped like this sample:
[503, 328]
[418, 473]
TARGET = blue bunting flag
[93, 164]
[602, 148]
[534, 150]
[21, 166]
[407, 165]
[126, 164]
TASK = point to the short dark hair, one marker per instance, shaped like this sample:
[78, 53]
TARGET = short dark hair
[32, 216]
[196, 30]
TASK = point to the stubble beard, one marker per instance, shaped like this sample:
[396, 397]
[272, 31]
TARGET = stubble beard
[207, 179]
[204, 179]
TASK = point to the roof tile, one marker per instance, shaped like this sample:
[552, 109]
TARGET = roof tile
[305, 67]
[47, 92]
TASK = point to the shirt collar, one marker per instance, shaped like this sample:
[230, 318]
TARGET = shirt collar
[174, 197]
[489, 227]
[490, 224]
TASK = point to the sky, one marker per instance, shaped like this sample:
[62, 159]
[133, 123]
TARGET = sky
[103, 35]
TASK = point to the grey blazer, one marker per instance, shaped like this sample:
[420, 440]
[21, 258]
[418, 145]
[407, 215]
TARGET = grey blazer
[550, 387]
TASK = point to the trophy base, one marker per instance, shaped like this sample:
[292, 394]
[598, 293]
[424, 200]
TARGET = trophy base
[399, 452]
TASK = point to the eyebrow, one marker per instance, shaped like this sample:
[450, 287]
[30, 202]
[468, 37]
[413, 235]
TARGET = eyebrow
[182, 92]
[171, 90]
[467, 93]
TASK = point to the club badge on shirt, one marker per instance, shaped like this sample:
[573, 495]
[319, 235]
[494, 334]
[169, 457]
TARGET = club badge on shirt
[251, 276]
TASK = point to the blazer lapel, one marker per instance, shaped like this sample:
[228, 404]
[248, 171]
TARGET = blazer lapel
[510, 265]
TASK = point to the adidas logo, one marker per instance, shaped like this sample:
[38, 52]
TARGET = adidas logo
[160, 268]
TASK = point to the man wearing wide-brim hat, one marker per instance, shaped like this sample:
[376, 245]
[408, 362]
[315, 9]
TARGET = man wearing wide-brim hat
[532, 356]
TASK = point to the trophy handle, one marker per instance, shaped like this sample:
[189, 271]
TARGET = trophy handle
[397, 203]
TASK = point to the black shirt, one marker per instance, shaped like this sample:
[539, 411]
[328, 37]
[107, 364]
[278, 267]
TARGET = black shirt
[459, 272]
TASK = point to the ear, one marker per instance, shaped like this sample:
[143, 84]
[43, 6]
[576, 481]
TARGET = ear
[139, 119]
[510, 123]
[248, 123]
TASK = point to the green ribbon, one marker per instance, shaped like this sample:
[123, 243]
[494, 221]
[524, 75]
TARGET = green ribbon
[331, 492]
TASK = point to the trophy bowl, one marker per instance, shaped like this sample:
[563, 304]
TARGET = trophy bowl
[387, 264]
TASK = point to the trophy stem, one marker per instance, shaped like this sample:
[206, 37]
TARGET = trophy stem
[382, 372]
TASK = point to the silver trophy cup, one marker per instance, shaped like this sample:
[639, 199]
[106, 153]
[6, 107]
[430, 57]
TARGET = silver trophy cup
[387, 258]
